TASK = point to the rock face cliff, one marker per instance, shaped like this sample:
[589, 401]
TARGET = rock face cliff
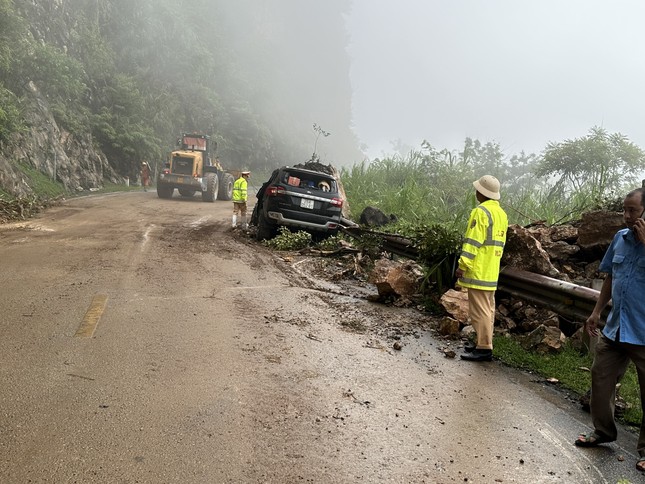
[44, 147]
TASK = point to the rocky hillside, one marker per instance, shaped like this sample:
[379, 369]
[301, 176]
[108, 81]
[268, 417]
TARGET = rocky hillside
[49, 150]
[89, 89]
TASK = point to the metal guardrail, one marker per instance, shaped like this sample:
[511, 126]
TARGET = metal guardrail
[565, 298]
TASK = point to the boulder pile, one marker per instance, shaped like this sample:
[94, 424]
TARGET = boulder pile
[568, 252]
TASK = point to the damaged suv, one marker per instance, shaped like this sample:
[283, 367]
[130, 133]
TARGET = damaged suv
[300, 199]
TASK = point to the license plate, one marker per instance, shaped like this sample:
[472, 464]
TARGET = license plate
[305, 203]
[180, 179]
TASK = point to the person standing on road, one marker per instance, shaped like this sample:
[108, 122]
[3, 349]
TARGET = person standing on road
[240, 195]
[478, 266]
[623, 337]
[145, 175]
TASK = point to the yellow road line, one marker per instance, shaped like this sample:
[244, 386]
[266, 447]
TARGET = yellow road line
[92, 316]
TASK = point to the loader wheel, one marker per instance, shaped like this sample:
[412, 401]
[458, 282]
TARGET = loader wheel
[211, 188]
[185, 192]
[225, 191]
[164, 191]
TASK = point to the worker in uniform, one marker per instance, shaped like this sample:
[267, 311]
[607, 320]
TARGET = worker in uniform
[479, 264]
[145, 175]
[240, 195]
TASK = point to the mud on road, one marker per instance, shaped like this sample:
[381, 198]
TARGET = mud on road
[331, 280]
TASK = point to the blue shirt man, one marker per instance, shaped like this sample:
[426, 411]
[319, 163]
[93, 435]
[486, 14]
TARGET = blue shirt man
[623, 338]
[624, 261]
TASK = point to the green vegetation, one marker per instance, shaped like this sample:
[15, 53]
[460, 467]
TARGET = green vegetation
[439, 247]
[10, 118]
[135, 75]
[565, 366]
[331, 243]
[288, 240]
[431, 186]
[598, 165]
[41, 183]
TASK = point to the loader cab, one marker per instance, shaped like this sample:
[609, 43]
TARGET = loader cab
[198, 142]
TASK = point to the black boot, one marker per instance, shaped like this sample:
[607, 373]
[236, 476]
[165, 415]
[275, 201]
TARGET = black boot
[478, 355]
[469, 347]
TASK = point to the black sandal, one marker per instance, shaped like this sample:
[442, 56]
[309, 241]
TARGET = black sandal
[592, 439]
[639, 464]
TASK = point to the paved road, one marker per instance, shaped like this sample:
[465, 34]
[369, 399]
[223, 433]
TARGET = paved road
[142, 341]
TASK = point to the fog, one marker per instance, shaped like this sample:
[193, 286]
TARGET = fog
[518, 72]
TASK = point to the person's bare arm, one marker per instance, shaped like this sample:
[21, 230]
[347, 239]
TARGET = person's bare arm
[591, 325]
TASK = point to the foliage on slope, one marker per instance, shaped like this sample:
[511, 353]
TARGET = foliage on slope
[136, 74]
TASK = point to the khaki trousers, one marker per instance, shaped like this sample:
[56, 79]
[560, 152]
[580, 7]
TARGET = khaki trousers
[239, 207]
[609, 365]
[481, 309]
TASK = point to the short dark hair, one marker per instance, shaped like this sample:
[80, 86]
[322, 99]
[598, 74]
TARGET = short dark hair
[642, 193]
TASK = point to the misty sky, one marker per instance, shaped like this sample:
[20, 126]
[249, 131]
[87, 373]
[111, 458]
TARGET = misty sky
[518, 72]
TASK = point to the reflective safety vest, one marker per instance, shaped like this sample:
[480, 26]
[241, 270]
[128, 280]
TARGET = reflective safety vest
[483, 246]
[239, 190]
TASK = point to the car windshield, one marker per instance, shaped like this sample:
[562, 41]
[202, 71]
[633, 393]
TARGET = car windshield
[307, 180]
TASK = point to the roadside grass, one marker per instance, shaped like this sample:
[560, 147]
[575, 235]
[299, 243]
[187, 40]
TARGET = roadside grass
[41, 184]
[47, 189]
[46, 193]
[570, 368]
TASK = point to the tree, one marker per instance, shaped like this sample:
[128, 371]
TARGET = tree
[600, 164]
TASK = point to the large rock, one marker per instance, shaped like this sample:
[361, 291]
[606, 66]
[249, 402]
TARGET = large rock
[561, 250]
[557, 240]
[456, 304]
[448, 327]
[597, 230]
[523, 251]
[544, 339]
[394, 278]
[554, 233]
[373, 217]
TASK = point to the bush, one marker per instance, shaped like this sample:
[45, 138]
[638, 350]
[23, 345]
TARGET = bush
[330, 243]
[287, 240]
[10, 118]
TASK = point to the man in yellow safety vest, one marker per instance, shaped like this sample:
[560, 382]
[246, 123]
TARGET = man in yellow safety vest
[240, 188]
[479, 263]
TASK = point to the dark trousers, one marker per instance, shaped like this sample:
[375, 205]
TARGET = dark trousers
[609, 366]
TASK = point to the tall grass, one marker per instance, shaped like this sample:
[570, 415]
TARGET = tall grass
[418, 189]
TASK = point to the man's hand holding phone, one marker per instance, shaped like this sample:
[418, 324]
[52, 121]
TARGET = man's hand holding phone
[639, 227]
